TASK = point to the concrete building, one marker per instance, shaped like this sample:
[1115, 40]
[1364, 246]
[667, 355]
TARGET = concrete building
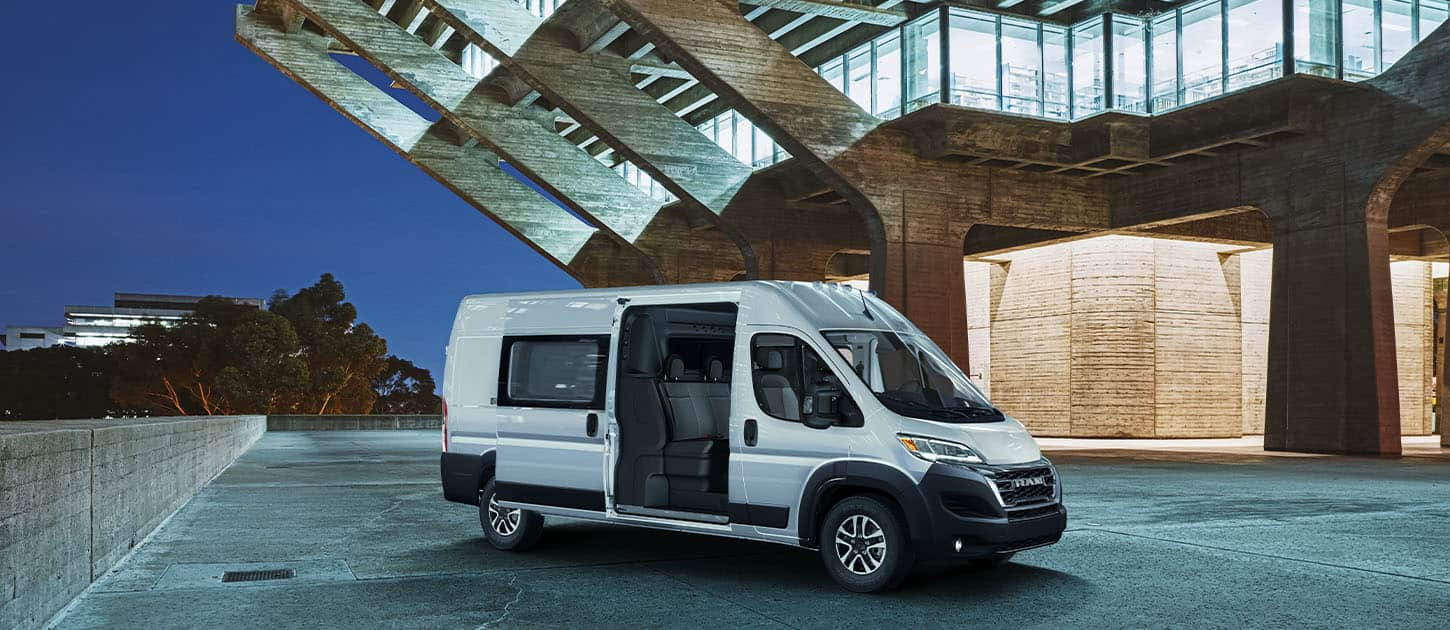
[892, 140]
[32, 337]
[94, 326]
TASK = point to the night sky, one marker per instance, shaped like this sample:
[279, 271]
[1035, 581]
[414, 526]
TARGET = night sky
[145, 150]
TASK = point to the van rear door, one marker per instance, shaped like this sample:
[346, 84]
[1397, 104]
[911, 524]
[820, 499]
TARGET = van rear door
[553, 380]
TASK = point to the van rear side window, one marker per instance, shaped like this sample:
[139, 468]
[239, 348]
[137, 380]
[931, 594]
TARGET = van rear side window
[561, 372]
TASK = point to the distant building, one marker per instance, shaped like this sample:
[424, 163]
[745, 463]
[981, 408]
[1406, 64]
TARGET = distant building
[93, 326]
[32, 337]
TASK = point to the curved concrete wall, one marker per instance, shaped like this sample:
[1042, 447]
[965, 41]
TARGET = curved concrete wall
[77, 495]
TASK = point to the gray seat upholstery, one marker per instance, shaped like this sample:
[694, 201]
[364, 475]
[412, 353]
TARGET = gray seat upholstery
[776, 390]
[699, 419]
[699, 410]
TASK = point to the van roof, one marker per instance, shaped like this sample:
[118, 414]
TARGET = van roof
[827, 305]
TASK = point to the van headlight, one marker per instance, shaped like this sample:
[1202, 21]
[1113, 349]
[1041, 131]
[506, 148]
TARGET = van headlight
[934, 450]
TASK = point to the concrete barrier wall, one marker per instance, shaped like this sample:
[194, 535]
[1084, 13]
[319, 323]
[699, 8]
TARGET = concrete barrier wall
[352, 423]
[77, 495]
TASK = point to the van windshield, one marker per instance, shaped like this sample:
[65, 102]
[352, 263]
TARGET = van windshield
[911, 376]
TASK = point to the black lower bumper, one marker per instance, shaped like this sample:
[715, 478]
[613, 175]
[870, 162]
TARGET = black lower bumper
[462, 476]
[969, 522]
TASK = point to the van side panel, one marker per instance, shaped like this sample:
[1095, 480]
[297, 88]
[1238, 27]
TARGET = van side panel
[472, 416]
[547, 452]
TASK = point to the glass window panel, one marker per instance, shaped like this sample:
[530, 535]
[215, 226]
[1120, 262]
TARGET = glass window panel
[708, 128]
[858, 68]
[922, 41]
[744, 136]
[1433, 13]
[834, 72]
[1397, 28]
[1202, 52]
[1021, 68]
[974, 59]
[1165, 62]
[565, 372]
[888, 76]
[764, 152]
[1130, 64]
[1055, 86]
[1316, 29]
[725, 124]
[1088, 69]
[1359, 57]
[1255, 41]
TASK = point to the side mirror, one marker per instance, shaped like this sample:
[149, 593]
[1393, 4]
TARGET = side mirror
[821, 409]
[818, 422]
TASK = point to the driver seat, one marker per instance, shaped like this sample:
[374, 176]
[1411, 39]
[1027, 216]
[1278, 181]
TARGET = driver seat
[775, 389]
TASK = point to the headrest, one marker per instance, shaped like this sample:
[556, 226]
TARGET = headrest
[717, 369]
[774, 360]
[676, 366]
[644, 354]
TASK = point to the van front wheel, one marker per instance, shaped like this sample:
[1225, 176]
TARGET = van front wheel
[507, 529]
[864, 545]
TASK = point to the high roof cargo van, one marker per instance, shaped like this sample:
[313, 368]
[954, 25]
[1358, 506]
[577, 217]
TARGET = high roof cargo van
[811, 415]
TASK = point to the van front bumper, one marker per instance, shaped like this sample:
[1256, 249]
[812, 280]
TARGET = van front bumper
[968, 520]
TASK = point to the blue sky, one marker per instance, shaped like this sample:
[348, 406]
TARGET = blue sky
[145, 150]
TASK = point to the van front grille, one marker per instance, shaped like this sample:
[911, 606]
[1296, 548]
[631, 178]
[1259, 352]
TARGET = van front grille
[1026, 486]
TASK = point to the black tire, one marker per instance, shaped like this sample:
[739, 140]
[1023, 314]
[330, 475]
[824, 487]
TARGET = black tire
[992, 562]
[863, 570]
[523, 529]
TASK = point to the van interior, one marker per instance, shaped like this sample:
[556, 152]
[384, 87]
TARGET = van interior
[673, 408]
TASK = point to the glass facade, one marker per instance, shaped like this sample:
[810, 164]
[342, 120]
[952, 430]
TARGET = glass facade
[1145, 65]
[742, 139]
[542, 8]
[870, 74]
[642, 180]
[476, 62]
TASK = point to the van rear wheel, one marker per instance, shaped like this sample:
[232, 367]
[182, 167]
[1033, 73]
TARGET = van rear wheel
[507, 529]
[864, 545]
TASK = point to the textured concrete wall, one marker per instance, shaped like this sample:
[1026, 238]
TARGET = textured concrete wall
[1255, 273]
[1411, 286]
[978, 280]
[1198, 343]
[1116, 337]
[1031, 335]
[353, 423]
[77, 495]
[1137, 337]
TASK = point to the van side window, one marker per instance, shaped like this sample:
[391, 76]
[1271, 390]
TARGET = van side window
[792, 382]
[561, 372]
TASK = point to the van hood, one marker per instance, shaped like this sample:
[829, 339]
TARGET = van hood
[999, 443]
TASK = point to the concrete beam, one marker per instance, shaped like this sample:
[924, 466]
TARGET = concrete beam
[837, 9]
[597, 91]
[526, 141]
[468, 170]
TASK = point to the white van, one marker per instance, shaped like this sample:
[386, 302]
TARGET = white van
[812, 415]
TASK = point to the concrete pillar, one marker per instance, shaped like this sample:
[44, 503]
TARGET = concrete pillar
[1333, 382]
[929, 287]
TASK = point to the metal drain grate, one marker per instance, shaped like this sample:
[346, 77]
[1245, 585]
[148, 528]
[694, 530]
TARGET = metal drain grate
[258, 576]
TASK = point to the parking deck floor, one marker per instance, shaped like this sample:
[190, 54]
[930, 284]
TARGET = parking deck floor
[1156, 538]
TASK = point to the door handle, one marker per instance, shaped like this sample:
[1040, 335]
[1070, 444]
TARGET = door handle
[591, 424]
[751, 432]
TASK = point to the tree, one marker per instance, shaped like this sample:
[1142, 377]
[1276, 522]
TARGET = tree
[404, 388]
[222, 359]
[55, 383]
[343, 355]
[265, 370]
